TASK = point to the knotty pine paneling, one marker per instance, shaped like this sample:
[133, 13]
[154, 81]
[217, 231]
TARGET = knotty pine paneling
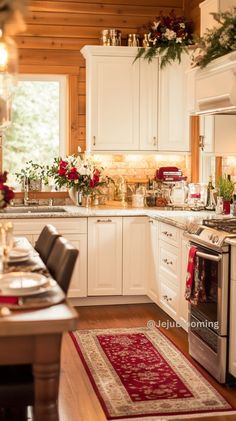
[191, 9]
[57, 30]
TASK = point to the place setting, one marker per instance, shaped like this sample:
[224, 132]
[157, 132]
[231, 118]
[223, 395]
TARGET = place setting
[25, 282]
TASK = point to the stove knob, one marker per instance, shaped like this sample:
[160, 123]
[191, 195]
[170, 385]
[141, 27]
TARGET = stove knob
[215, 239]
[210, 236]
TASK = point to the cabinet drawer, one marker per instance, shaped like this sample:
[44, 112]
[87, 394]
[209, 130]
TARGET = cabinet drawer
[168, 299]
[169, 261]
[169, 233]
[63, 225]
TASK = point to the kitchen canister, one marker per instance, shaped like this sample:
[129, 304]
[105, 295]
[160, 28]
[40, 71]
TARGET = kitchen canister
[137, 200]
[110, 37]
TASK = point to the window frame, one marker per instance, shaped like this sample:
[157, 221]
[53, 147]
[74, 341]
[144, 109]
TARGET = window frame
[63, 104]
[72, 75]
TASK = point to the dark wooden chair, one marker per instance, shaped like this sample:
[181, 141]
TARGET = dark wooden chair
[61, 262]
[16, 382]
[45, 241]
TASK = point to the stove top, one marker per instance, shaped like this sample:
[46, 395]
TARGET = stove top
[212, 233]
[227, 224]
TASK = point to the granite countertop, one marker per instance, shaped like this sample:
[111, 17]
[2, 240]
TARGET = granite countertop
[179, 218]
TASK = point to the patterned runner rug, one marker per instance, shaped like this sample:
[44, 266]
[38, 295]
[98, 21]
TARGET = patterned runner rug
[137, 373]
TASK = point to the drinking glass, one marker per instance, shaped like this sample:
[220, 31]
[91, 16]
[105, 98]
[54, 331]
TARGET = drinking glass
[7, 242]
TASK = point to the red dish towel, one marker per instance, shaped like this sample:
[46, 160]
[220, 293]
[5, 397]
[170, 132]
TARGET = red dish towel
[4, 299]
[190, 273]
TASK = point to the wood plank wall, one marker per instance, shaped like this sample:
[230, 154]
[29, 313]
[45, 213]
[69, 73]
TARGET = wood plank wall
[57, 30]
[192, 10]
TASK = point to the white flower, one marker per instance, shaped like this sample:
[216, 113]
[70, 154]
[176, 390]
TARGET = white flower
[182, 25]
[155, 25]
[179, 40]
[224, 39]
[169, 34]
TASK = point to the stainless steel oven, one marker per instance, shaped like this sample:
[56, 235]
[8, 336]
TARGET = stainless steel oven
[208, 320]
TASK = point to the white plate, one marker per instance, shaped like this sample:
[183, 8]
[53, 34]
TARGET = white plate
[21, 283]
[18, 253]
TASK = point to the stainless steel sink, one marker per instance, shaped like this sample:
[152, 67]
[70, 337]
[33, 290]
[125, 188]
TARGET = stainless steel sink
[40, 209]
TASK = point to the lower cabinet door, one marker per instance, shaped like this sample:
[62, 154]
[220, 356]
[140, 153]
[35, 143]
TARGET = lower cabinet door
[136, 248]
[104, 256]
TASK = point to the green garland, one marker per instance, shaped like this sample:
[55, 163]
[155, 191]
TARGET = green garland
[218, 41]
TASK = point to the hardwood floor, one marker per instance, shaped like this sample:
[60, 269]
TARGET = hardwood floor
[78, 402]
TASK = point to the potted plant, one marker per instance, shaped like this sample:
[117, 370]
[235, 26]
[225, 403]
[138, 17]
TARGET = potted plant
[31, 175]
[225, 189]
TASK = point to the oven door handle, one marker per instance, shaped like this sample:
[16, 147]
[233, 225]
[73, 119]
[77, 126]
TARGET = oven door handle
[211, 257]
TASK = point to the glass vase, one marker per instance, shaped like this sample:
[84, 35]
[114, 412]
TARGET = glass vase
[86, 201]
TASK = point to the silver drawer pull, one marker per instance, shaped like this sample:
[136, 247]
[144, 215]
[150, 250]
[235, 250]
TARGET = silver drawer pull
[168, 262]
[94, 140]
[103, 221]
[211, 257]
[167, 298]
[154, 140]
[168, 234]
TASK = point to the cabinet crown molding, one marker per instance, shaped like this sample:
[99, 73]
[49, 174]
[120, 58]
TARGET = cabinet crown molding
[99, 50]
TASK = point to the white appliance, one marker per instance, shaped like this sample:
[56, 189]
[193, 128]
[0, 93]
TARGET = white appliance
[215, 87]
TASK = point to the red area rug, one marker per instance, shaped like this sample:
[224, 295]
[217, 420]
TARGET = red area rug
[139, 374]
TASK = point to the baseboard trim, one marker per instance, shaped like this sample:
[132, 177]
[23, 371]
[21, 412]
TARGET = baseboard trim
[110, 300]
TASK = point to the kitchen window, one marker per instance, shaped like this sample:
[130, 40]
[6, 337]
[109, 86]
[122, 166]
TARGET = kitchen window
[39, 122]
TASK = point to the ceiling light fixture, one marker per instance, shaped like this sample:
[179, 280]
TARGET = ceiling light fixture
[11, 23]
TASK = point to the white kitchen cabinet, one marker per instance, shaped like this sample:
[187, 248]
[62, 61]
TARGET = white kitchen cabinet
[123, 110]
[225, 135]
[169, 255]
[232, 315]
[173, 107]
[112, 99]
[135, 255]
[169, 293]
[153, 289]
[148, 118]
[217, 138]
[75, 230]
[121, 100]
[104, 256]
[213, 6]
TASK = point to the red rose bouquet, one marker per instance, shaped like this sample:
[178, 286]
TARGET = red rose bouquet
[168, 36]
[84, 174]
[6, 193]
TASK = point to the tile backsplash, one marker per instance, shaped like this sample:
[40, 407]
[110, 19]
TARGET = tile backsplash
[140, 166]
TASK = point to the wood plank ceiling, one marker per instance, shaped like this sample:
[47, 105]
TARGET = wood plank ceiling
[58, 29]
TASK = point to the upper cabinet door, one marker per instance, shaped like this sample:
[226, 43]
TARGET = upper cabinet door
[173, 115]
[112, 102]
[149, 105]
[212, 6]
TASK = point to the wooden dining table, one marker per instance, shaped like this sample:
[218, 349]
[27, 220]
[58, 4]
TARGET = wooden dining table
[33, 336]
